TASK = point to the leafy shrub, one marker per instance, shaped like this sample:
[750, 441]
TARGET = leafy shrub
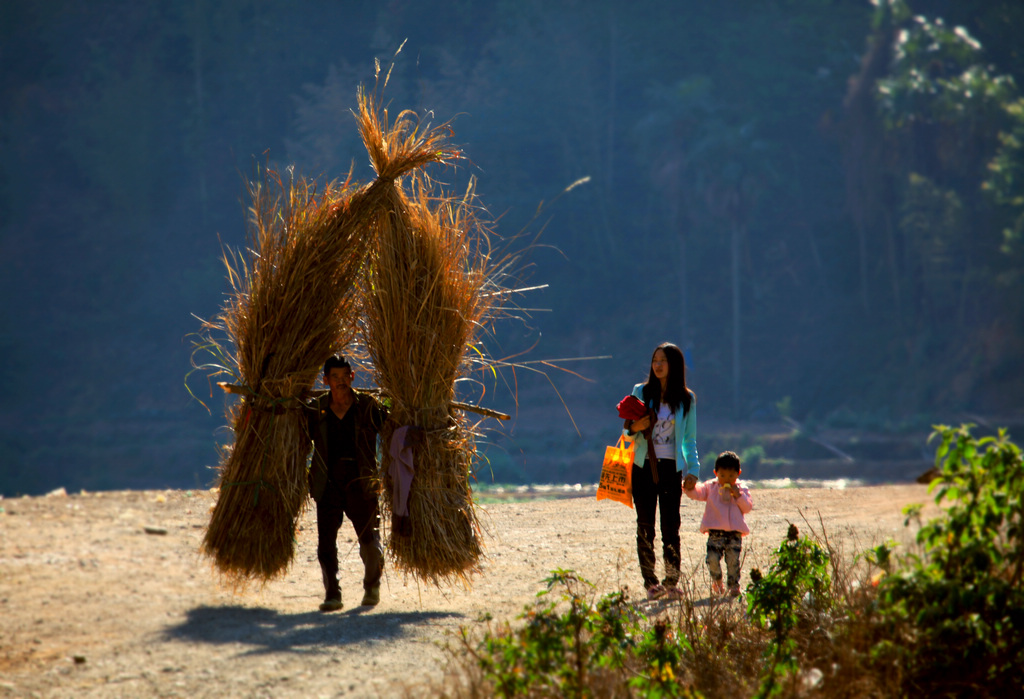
[570, 646]
[954, 616]
[797, 584]
[751, 457]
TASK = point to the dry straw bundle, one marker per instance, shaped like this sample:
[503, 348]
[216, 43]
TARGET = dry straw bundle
[419, 319]
[429, 288]
[293, 304]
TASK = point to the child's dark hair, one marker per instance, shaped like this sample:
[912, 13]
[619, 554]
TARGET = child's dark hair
[727, 460]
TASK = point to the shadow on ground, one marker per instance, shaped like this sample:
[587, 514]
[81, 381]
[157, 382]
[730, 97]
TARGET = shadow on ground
[269, 631]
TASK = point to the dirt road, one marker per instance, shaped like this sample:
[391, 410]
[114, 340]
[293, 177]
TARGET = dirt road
[106, 595]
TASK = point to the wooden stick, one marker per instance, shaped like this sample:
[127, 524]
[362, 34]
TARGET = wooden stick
[234, 388]
[487, 412]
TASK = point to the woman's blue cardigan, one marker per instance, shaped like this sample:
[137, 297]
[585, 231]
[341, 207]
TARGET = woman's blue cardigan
[686, 437]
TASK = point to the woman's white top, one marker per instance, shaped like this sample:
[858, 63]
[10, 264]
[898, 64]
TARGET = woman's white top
[665, 433]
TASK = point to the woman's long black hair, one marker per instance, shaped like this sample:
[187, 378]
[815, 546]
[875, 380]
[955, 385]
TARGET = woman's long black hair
[677, 393]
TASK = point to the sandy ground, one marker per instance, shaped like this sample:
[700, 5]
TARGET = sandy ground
[106, 595]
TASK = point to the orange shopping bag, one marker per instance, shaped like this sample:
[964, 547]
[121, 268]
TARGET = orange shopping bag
[617, 473]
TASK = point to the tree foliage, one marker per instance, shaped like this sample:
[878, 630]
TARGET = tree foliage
[816, 196]
[931, 158]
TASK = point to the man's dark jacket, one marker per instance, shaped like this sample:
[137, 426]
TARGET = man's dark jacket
[369, 418]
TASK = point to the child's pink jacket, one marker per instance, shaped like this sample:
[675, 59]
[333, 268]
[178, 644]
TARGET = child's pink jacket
[727, 516]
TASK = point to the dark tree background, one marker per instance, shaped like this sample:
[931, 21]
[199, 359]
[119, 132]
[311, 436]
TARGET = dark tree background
[821, 200]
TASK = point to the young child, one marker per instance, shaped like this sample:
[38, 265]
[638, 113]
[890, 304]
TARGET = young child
[727, 501]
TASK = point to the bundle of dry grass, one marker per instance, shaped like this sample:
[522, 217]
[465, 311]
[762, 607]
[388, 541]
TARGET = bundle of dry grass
[419, 320]
[427, 296]
[292, 306]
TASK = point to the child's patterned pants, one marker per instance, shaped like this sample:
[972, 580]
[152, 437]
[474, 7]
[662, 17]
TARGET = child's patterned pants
[729, 543]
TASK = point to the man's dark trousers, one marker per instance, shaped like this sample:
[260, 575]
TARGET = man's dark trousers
[362, 511]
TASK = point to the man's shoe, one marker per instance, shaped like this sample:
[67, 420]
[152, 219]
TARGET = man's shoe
[717, 587]
[372, 596]
[331, 604]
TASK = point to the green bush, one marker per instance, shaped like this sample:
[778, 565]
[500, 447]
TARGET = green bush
[570, 646]
[751, 457]
[954, 615]
[797, 585]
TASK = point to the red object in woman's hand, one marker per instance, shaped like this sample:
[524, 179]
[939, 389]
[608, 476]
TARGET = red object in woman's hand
[631, 408]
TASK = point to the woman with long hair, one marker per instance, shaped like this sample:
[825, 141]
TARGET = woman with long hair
[665, 447]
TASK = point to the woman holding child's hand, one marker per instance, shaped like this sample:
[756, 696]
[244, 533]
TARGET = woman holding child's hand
[665, 448]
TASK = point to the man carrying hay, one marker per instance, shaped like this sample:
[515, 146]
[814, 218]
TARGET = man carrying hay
[343, 425]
